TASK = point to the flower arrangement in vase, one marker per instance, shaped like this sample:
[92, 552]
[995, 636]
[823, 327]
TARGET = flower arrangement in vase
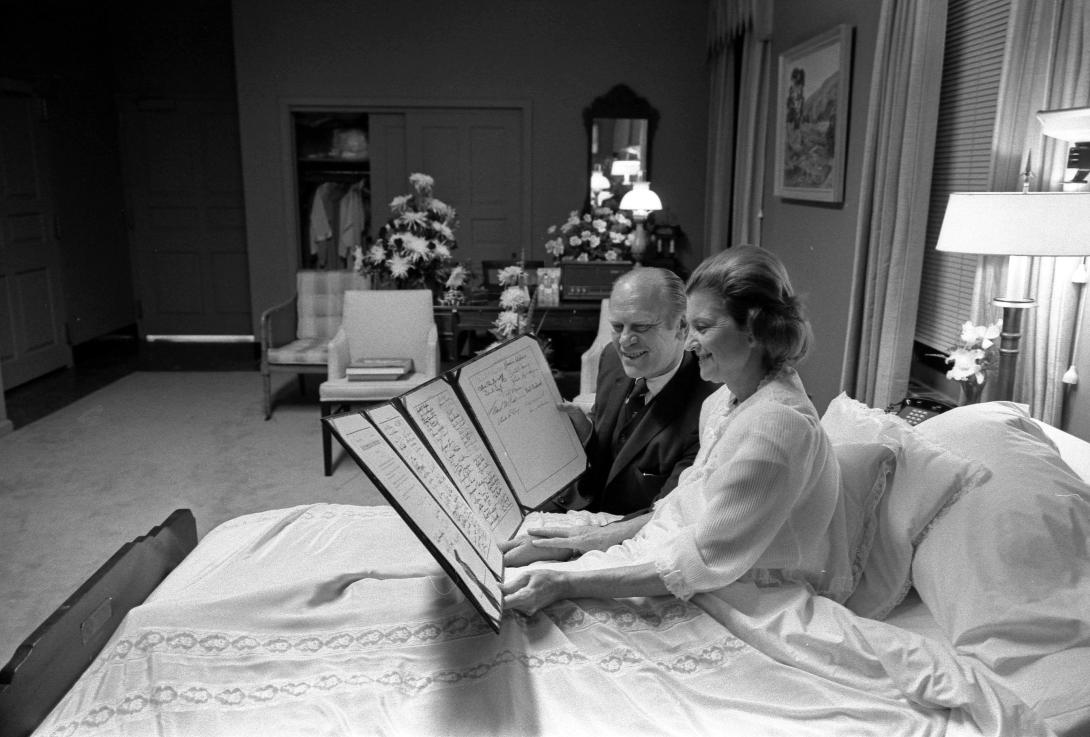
[516, 304]
[603, 233]
[413, 249]
[973, 357]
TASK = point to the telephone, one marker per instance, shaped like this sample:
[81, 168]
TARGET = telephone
[916, 409]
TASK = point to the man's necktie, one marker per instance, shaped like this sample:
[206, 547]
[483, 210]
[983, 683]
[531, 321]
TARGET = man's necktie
[635, 402]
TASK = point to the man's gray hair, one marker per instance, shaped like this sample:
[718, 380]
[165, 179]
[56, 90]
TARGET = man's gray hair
[663, 281]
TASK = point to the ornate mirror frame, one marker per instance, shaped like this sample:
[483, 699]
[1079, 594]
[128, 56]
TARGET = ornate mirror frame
[619, 103]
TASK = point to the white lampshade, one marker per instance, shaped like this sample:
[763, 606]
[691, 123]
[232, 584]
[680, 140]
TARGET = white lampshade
[1016, 223]
[625, 168]
[641, 199]
[1069, 124]
[598, 180]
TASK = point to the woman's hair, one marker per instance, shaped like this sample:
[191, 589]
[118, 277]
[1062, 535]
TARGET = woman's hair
[757, 294]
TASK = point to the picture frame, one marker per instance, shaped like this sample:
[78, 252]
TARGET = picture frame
[813, 104]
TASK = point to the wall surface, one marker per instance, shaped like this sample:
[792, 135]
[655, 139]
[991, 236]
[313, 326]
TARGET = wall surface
[62, 50]
[817, 240]
[555, 55]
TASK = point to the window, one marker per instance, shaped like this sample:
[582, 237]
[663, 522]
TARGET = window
[975, 43]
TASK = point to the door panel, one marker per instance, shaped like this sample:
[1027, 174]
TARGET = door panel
[184, 189]
[476, 159]
[32, 315]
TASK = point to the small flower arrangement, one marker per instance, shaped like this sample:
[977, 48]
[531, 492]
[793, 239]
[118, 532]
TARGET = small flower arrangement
[975, 352]
[516, 305]
[413, 249]
[602, 234]
[456, 279]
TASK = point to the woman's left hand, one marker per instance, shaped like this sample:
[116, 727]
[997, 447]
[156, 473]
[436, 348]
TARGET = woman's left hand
[530, 591]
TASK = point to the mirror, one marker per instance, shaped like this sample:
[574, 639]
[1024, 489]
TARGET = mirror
[620, 128]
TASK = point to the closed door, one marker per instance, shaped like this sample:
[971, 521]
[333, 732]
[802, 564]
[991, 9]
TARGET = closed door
[32, 314]
[183, 182]
[476, 158]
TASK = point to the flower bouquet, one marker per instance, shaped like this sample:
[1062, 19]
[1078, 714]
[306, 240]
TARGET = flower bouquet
[516, 305]
[973, 356]
[602, 234]
[413, 249]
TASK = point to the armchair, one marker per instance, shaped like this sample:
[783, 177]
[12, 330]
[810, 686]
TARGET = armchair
[295, 334]
[588, 361]
[379, 324]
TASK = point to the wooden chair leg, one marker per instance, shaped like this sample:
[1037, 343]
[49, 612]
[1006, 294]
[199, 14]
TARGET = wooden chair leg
[327, 440]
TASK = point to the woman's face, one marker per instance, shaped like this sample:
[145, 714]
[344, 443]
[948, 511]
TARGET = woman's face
[726, 350]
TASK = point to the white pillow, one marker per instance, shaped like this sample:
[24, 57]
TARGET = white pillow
[927, 478]
[1006, 570]
[865, 470]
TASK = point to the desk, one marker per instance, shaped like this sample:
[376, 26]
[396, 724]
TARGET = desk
[456, 322]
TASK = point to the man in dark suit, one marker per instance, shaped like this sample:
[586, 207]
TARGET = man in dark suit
[646, 411]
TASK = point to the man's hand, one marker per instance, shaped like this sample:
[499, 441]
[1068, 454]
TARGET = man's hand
[579, 420]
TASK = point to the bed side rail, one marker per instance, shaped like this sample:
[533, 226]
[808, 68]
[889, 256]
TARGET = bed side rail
[47, 664]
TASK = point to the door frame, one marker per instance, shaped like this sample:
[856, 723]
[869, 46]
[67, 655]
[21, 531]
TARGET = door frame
[290, 105]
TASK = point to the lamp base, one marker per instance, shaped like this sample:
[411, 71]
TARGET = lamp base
[1009, 338]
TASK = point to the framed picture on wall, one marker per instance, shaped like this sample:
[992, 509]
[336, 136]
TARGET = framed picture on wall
[812, 117]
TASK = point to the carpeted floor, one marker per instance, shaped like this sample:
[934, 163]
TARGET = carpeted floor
[80, 482]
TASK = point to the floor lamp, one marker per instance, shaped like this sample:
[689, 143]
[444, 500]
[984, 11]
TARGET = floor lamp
[1019, 225]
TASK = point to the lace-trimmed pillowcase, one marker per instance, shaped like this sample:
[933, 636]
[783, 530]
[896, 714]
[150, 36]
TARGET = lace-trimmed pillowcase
[887, 525]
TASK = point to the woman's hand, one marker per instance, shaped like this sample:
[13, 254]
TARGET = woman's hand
[530, 591]
[519, 551]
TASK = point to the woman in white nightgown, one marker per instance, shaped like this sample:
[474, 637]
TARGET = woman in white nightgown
[761, 503]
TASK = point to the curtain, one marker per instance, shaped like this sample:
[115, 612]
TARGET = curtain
[894, 196]
[739, 59]
[1047, 67]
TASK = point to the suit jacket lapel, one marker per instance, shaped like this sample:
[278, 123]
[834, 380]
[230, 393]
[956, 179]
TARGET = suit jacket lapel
[662, 411]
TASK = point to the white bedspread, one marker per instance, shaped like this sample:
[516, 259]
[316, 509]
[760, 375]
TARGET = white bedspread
[333, 620]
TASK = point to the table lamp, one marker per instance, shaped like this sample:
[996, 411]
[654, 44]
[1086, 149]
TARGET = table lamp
[641, 201]
[1019, 225]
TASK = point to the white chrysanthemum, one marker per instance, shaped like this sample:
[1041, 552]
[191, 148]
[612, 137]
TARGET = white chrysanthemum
[442, 251]
[612, 255]
[620, 219]
[421, 181]
[457, 278]
[399, 203]
[439, 207]
[593, 240]
[507, 324]
[444, 230]
[415, 247]
[551, 229]
[599, 225]
[616, 238]
[399, 266]
[509, 275]
[586, 217]
[376, 254]
[512, 298]
[411, 217]
[575, 241]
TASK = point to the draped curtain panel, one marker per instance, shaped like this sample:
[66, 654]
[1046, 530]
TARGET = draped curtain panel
[1047, 67]
[739, 59]
[895, 187]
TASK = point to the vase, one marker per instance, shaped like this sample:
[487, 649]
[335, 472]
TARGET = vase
[971, 391]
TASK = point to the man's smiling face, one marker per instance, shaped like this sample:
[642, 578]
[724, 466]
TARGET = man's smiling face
[649, 342]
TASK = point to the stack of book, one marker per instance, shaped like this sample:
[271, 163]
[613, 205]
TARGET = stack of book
[379, 369]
